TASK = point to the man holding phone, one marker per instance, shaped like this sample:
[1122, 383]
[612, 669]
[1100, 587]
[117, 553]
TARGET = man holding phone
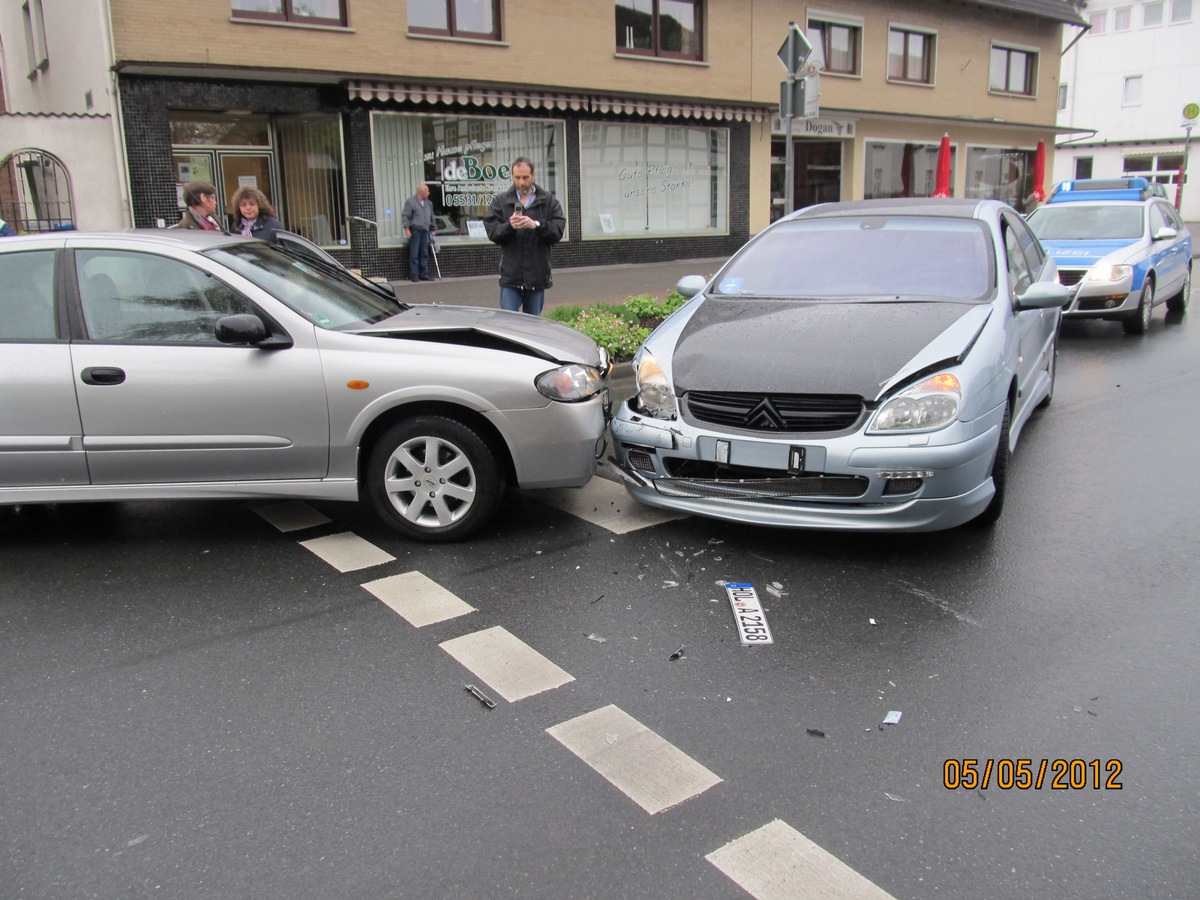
[525, 221]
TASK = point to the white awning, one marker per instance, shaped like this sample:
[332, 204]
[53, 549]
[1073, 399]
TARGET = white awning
[550, 100]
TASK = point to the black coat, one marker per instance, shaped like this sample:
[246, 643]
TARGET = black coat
[525, 252]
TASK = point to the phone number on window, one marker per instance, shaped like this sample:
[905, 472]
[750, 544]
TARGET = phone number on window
[468, 199]
[1024, 774]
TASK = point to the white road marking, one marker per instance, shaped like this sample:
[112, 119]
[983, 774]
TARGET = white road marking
[605, 503]
[418, 599]
[510, 666]
[653, 773]
[347, 551]
[293, 515]
[776, 862]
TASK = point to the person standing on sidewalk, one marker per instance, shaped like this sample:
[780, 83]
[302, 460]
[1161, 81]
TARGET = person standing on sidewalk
[526, 221]
[417, 219]
[201, 212]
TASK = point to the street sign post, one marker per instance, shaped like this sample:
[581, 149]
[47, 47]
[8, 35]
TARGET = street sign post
[793, 53]
[1190, 112]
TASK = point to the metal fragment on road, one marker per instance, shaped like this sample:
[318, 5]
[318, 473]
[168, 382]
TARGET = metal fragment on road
[597, 639]
[893, 717]
[480, 696]
[748, 614]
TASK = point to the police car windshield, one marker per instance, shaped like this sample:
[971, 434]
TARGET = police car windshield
[1087, 222]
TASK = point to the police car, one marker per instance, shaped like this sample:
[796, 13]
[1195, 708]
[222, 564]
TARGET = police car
[1121, 249]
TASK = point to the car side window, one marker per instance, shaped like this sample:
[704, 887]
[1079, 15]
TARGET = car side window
[27, 296]
[1019, 274]
[144, 298]
[1159, 219]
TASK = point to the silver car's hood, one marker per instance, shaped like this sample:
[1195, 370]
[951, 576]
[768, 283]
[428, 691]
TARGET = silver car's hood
[545, 337]
[815, 347]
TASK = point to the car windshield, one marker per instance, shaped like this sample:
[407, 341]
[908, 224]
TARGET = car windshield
[865, 256]
[322, 294]
[1086, 222]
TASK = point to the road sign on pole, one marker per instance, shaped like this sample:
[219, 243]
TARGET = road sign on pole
[794, 50]
[792, 53]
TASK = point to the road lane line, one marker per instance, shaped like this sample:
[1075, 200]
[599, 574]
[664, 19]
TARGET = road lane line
[653, 773]
[604, 503]
[293, 515]
[347, 551]
[418, 599]
[511, 667]
[776, 862]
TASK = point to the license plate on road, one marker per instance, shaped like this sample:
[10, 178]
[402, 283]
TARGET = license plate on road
[748, 614]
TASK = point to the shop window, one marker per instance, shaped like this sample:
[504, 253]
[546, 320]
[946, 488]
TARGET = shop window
[314, 177]
[663, 28]
[910, 56]
[35, 193]
[897, 169]
[1012, 71]
[475, 19]
[1152, 14]
[35, 37]
[302, 12]
[1000, 173]
[193, 128]
[1181, 11]
[839, 42]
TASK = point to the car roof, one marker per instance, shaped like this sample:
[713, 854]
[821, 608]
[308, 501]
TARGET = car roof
[1097, 189]
[193, 238]
[948, 207]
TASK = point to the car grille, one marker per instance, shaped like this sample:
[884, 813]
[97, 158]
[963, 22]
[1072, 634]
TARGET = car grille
[775, 412]
[1069, 277]
[762, 488]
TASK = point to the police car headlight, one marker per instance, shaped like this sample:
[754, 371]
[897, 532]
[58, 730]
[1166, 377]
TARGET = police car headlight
[1110, 274]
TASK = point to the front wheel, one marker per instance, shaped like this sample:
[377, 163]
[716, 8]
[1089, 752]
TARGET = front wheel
[434, 479]
[991, 513]
[1139, 322]
[1179, 302]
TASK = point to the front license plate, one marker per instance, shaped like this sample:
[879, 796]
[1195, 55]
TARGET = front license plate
[748, 614]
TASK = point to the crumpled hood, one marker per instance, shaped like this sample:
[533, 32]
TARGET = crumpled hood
[545, 337]
[815, 347]
[1074, 254]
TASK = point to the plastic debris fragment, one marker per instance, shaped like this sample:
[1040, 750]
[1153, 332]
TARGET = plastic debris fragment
[597, 639]
[815, 732]
[678, 654]
[892, 718]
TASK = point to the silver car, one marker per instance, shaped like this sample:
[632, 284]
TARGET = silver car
[174, 364]
[856, 366]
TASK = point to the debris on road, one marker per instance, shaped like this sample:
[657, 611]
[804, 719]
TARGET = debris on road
[892, 718]
[748, 614]
[815, 732]
[597, 639]
[670, 584]
[480, 696]
[872, 621]
[894, 797]
[678, 654]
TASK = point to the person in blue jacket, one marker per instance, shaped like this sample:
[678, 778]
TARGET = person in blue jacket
[255, 216]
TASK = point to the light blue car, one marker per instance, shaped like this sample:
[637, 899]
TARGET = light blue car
[861, 366]
[1121, 249]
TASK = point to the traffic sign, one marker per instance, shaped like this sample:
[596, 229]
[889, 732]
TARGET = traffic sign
[791, 98]
[1191, 111]
[794, 50]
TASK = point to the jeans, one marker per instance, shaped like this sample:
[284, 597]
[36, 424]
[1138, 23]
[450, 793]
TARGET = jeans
[522, 299]
[418, 254]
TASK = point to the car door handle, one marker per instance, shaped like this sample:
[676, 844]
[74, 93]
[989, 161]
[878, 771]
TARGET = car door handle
[103, 375]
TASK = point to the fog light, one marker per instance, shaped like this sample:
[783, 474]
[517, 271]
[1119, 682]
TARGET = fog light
[903, 473]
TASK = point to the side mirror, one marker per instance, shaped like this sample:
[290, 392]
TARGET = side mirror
[1044, 295]
[244, 328]
[691, 285]
[1165, 233]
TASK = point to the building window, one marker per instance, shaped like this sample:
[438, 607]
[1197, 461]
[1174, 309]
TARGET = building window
[646, 181]
[1012, 71]
[910, 56]
[1132, 94]
[1152, 14]
[1162, 168]
[1181, 11]
[304, 12]
[1062, 96]
[1083, 167]
[1099, 21]
[1122, 16]
[476, 19]
[36, 193]
[839, 43]
[665, 28]
[35, 36]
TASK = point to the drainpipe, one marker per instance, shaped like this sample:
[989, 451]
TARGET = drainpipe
[118, 121]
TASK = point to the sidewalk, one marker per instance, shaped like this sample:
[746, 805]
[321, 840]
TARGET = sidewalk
[584, 286]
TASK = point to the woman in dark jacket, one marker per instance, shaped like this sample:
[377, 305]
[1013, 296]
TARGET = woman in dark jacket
[255, 216]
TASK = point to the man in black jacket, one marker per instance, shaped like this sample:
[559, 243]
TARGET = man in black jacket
[526, 222]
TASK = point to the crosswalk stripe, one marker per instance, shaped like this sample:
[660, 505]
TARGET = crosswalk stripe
[418, 599]
[510, 666]
[605, 503]
[653, 773]
[347, 551]
[294, 515]
[777, 862]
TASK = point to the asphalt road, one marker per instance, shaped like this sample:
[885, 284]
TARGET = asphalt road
[197, 704]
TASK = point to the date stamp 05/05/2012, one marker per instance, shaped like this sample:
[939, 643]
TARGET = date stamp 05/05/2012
[1032, 774]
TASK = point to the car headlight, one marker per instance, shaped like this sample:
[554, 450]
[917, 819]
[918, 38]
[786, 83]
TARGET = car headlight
[923, 407]
[1110, 273]
[654, 395]
[570, 384]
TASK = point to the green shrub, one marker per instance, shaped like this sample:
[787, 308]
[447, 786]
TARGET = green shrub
[565, 314]
[615, 333]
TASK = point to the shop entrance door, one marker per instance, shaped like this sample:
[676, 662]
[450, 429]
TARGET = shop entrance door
[817, 171]
[228, 170]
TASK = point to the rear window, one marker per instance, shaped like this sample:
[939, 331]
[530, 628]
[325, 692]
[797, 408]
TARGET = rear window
[1086, 222]
[854, 257]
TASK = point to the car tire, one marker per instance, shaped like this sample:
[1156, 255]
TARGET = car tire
[434, 479]
[1179, 302]
[1139, 322]
[991, 513]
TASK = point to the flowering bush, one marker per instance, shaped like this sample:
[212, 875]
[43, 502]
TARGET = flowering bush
[619, 329]
[612, 332]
